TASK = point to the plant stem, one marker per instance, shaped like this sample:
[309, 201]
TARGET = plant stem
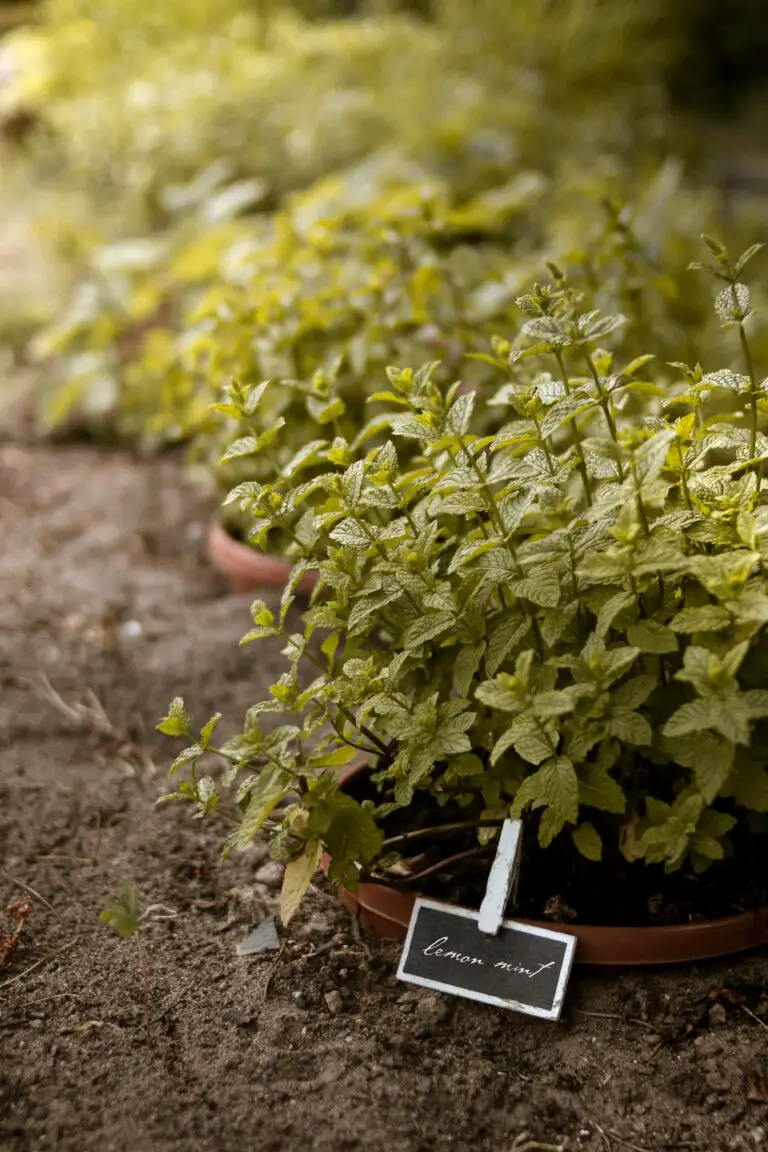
[438, 830]
[574, 430]
[145, 983]
[374, 739]
[606, 407]
[478, 850]
[747, 353]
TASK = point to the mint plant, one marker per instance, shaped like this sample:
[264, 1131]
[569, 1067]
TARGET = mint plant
[529, 603]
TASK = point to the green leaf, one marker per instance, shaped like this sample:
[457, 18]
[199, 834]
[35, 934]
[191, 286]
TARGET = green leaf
[630, 727]
[709, 618]
[270, 787]
[504, 637]
[564, 411]
[692, 717]
[594, 327]
[530, 743]
[297, 879]
[467, 663]
[556, 785]
[253, 445]
[652, 636]
[207, 731]
[748, 784]
[427, 628]
[746, 256]
[588, 842]
[635, 692]
[350, 532]
[713, 759]
[597, 789]
[122, 914]
[733, 304]
[541, 587]
[610, 610]
[351, 835]
[176, 723]
[502, 694]
[471, 550]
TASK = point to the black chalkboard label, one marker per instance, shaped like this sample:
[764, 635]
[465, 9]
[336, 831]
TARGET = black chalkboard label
[522, 968]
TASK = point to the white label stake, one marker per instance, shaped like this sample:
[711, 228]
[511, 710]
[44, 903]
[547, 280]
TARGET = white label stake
[502, 881]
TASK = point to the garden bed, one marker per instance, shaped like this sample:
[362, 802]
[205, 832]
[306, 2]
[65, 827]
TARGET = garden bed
[104, 588]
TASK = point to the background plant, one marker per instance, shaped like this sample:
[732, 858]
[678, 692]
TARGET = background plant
[160, 128]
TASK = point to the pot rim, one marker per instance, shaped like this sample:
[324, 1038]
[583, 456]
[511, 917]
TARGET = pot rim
[387, 911]
[246, 568]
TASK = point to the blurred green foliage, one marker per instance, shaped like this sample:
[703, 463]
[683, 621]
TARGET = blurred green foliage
[238, 187]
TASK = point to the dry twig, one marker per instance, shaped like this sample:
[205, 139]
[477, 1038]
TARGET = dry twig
[17, 912]
[39, 963]
[91, 716]
[271, 972]
[524, 1143]
[27, 888]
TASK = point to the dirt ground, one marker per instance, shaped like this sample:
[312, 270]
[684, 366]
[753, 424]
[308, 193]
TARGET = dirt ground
[107, 610]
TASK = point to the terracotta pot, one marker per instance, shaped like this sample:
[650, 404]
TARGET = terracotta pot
[245, 569]
[386, 912]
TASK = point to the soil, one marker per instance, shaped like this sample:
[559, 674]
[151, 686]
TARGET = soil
[107, 610]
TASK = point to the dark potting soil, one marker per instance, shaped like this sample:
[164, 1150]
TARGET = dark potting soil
[561, 884]
[108, 610]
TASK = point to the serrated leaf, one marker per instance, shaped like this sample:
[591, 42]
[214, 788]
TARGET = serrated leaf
[206, 732]
[630, 727]
[610, 610]
[652, 636]
[253, 445]
[547, 330]
[635, 692]
[504, 637]
[176, 723]
[529, 743]
[500, 694]
[270, 787]
[594, 327]
[556, 785]
[732, 304]
[471, 550]
[696, 716]
[708, 618]
[541, 587]
[467, 663]
[713, 759]
[564, 411]
[748, 784]
[297, 879]
[427, 628]
[597, 789]
[588, 842]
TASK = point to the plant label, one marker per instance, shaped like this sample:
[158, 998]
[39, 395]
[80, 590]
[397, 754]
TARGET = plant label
[503, 878]
[522, 968]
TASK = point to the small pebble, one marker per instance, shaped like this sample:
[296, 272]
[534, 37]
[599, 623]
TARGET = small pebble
[717, 1014]
[432, 1009]
[270, 874]
[334, 1002]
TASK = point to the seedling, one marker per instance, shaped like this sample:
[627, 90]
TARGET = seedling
[122, 915]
